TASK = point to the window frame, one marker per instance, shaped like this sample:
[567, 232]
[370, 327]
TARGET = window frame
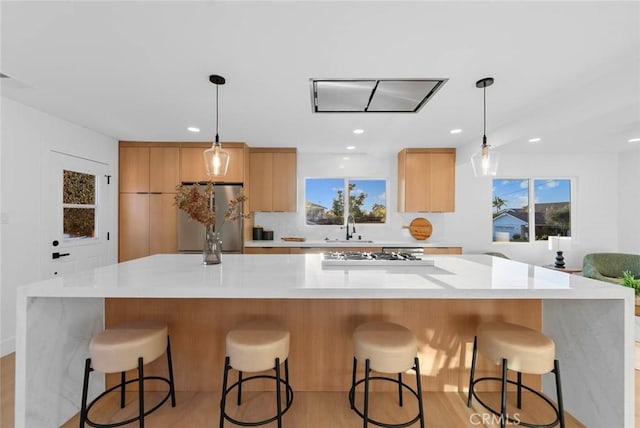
[347, 212]
[532, 204]
[95, 206]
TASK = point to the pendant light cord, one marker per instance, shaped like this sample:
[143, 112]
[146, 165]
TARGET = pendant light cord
[217, 137]
[484, 125]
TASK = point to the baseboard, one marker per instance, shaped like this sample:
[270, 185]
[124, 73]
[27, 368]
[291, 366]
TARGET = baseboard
[7, 346]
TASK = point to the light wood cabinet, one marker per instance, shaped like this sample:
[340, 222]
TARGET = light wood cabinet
[273, 179]
[426, 180]
[442, 250]
[267, 250]
[192, 168]
[148, 219]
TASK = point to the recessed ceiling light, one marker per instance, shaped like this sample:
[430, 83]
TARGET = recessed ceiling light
[193, 129]
[634, 140]
[455, 131]
[535, 140]
[345, 158]
[358, 131]
[351, 147]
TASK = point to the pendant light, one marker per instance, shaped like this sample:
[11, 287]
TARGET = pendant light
[216, 160]
[485, 162]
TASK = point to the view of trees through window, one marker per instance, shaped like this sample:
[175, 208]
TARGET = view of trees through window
[512, 219]
[79, 205]
[326, 198]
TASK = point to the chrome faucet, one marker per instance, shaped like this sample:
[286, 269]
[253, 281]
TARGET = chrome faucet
[353, 223]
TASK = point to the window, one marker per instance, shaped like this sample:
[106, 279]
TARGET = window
[326, 199]
[515, 221]
[79, 205]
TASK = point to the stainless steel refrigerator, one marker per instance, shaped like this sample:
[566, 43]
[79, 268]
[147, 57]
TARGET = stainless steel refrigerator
[191, 233]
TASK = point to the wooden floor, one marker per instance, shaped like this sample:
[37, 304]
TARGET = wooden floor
[309, 409]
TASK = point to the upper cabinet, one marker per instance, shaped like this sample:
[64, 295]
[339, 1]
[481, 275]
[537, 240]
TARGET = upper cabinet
[192, 167]
[426, 180]
[273, 179]
[145, 169]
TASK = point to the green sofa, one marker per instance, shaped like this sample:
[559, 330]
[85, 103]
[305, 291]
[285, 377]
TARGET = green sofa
[609, 266]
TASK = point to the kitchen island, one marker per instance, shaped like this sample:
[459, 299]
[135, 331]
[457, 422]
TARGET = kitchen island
[590, 321]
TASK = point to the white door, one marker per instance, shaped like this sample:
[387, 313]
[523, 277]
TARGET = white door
[75, 197]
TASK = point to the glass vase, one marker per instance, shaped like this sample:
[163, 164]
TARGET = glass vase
[212, 252]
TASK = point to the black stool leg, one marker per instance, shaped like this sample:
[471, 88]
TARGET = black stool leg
[141, 391]
[286, 382]
[239, 387]
[366, 393]
[400, 389]
[556, 370]
[419, 391]
[519, 394]
[123, 378]
[85, 389]
[278, 399]
[352, 392]
[172, 387]
[503, 400]
[473, 370]
[224, 391]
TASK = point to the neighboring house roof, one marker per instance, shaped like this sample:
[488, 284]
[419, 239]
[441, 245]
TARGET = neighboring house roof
[308, 205]
[541, 210]
[504, 216]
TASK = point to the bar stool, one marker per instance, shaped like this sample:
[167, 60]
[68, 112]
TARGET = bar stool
[385, 348]
[126, 347]
[522, 350]
[257, 346]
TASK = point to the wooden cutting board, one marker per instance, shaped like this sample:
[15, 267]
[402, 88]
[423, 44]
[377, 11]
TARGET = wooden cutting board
[420, 228]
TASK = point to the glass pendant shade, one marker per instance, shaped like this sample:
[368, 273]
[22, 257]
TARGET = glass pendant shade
[216, 161]
[485, 162]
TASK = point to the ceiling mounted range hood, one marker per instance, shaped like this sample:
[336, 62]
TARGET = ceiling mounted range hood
[372, 95]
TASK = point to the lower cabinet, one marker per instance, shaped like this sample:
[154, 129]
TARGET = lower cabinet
[443, 250]
[267, 250]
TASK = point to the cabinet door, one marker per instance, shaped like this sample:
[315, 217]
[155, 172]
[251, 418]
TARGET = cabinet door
[443, 173]
[192, 166]
[133, 230]
[235, 173]
[261, 176]
[134, 169]
[417, 182]
[284, 182]
[163, 224]
[266, 250]
[164, 169]
[442, 250]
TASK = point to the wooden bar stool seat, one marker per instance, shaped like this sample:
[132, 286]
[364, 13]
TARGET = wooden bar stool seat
[251, 347]
[385, 348]
[522, 350]
[125, 347]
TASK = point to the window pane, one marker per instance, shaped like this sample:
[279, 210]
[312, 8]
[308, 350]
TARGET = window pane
[324, 202]
[79, 188]
[368, 201]
[511, 210]
[79, 222]
[552, 208]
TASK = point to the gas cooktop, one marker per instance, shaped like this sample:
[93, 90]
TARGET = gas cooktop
[356, 258]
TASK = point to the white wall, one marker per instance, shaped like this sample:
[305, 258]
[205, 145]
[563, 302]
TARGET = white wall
[27, 137]
[595, 199]
[629, 202]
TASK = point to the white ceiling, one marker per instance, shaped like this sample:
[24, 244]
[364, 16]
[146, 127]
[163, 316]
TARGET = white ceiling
[568, 73]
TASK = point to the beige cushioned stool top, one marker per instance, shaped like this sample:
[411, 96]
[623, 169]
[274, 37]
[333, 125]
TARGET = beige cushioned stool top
[526, 350]
[253, 346]
[390, 348]
[118, 348]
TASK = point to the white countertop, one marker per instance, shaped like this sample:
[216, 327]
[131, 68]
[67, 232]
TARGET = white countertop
[302, 276]
[350, 243]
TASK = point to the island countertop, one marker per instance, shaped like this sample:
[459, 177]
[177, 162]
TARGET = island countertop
[302, 276]
[352, 243]
[58, 317]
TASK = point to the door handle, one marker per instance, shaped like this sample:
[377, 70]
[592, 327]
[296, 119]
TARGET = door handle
[57, 255]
